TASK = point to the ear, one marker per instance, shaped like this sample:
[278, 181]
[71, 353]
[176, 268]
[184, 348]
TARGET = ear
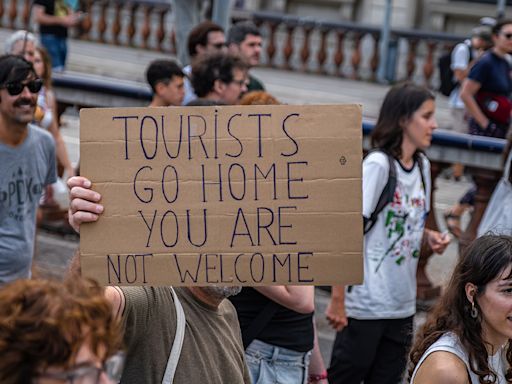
[470, 289]
[159, 88]
[200, 49]
[219, 86]
[233, 48]
[403, 122]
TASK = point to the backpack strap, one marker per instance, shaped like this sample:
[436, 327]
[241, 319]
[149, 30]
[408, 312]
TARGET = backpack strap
[387, 194]
[419, 159]
[174, 356]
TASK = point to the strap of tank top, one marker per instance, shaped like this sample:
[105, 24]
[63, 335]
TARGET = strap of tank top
[174, 357]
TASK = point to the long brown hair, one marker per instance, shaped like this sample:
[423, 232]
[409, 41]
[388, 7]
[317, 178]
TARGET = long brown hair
[484, 260]
[44, 324]
[47, 63]
[399, 104]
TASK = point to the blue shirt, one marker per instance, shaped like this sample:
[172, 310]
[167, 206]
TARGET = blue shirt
[493, 73]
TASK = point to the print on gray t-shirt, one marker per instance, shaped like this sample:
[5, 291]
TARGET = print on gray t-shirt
[24, 172]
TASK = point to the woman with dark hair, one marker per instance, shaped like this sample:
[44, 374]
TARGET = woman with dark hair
[466, 338]
[375, 319]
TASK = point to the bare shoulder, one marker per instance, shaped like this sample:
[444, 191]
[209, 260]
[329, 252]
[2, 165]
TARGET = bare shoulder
[442, 367]
[116, 298]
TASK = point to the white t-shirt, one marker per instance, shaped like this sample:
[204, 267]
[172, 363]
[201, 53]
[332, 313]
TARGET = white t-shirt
[392, 246]
[460, 60]
[449, 342]
[189, 90]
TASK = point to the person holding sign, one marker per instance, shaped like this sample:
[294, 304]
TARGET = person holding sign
[466, 338]
[375, 319]
[212, 350]
[54, 332]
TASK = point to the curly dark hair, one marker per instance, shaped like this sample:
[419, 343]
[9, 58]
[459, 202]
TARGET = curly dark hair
[214, 66]
[400, 103]
[484, 260]
[44, 323]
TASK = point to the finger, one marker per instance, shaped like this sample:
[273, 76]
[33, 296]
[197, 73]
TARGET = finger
[79, 181]
[81, 217]
[80, 205]
[85, 194]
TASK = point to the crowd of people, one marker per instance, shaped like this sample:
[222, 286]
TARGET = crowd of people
[78, 332]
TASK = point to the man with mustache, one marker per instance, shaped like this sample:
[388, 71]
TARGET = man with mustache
[27, 165]
[212, 350]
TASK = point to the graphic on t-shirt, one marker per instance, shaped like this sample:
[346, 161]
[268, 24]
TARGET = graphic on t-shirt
[404, 221]
[18, 194]
[61, 8]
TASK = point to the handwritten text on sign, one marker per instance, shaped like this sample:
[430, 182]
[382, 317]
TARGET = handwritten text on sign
[224, 195]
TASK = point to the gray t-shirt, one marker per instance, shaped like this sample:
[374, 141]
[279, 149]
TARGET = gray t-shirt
[24, 171]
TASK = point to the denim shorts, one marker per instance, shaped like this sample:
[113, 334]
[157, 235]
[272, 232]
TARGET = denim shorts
[270, 364]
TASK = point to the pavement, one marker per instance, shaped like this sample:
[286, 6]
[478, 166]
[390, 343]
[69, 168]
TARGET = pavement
[53, 251]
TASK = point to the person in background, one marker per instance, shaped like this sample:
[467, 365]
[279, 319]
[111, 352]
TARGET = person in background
[53, 332]
[466, 338]
[55, 17]
[462, 58]
[220, 76]
[165, 78]
[277, 322]
[486, 93]
[244, 38]
[375, 319]
[207, 37]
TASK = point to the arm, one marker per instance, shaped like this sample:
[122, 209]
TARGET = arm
[60, 146]
[437, 241]
[335, 311]
[84, 204]
[316, 364]
[43, 18]
[298, 298]
[467, 93]
[460, 74]
[113, 294]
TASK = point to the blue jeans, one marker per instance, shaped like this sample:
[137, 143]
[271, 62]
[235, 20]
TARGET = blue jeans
[57, 49]
[270, 364]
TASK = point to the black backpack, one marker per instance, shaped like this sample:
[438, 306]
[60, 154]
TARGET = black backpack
[388, 192]
[447, 82]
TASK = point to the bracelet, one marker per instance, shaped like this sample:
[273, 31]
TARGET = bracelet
[318, 377]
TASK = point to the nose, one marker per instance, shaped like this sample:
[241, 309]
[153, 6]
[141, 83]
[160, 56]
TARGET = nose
[434, 123]
[25, 92]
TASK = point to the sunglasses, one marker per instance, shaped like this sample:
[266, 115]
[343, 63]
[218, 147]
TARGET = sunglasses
[507, 36]
[14, 89]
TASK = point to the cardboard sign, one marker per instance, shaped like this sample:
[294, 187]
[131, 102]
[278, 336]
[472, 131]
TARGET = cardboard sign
[225, 195]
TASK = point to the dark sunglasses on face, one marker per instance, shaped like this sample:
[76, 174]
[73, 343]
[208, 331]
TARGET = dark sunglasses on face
[14, 89]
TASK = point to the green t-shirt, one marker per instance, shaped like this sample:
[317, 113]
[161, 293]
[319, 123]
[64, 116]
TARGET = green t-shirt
[212, 349]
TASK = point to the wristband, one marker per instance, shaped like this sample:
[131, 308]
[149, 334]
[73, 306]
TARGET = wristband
[318, 377]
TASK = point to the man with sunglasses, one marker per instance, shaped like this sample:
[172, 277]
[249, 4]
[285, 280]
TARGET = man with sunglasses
[207, 37]
[27, 165]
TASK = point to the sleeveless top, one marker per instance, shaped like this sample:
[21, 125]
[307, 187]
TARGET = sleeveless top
[449, 342]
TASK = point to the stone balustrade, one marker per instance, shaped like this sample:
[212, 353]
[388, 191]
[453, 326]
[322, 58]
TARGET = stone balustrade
[342, 48]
